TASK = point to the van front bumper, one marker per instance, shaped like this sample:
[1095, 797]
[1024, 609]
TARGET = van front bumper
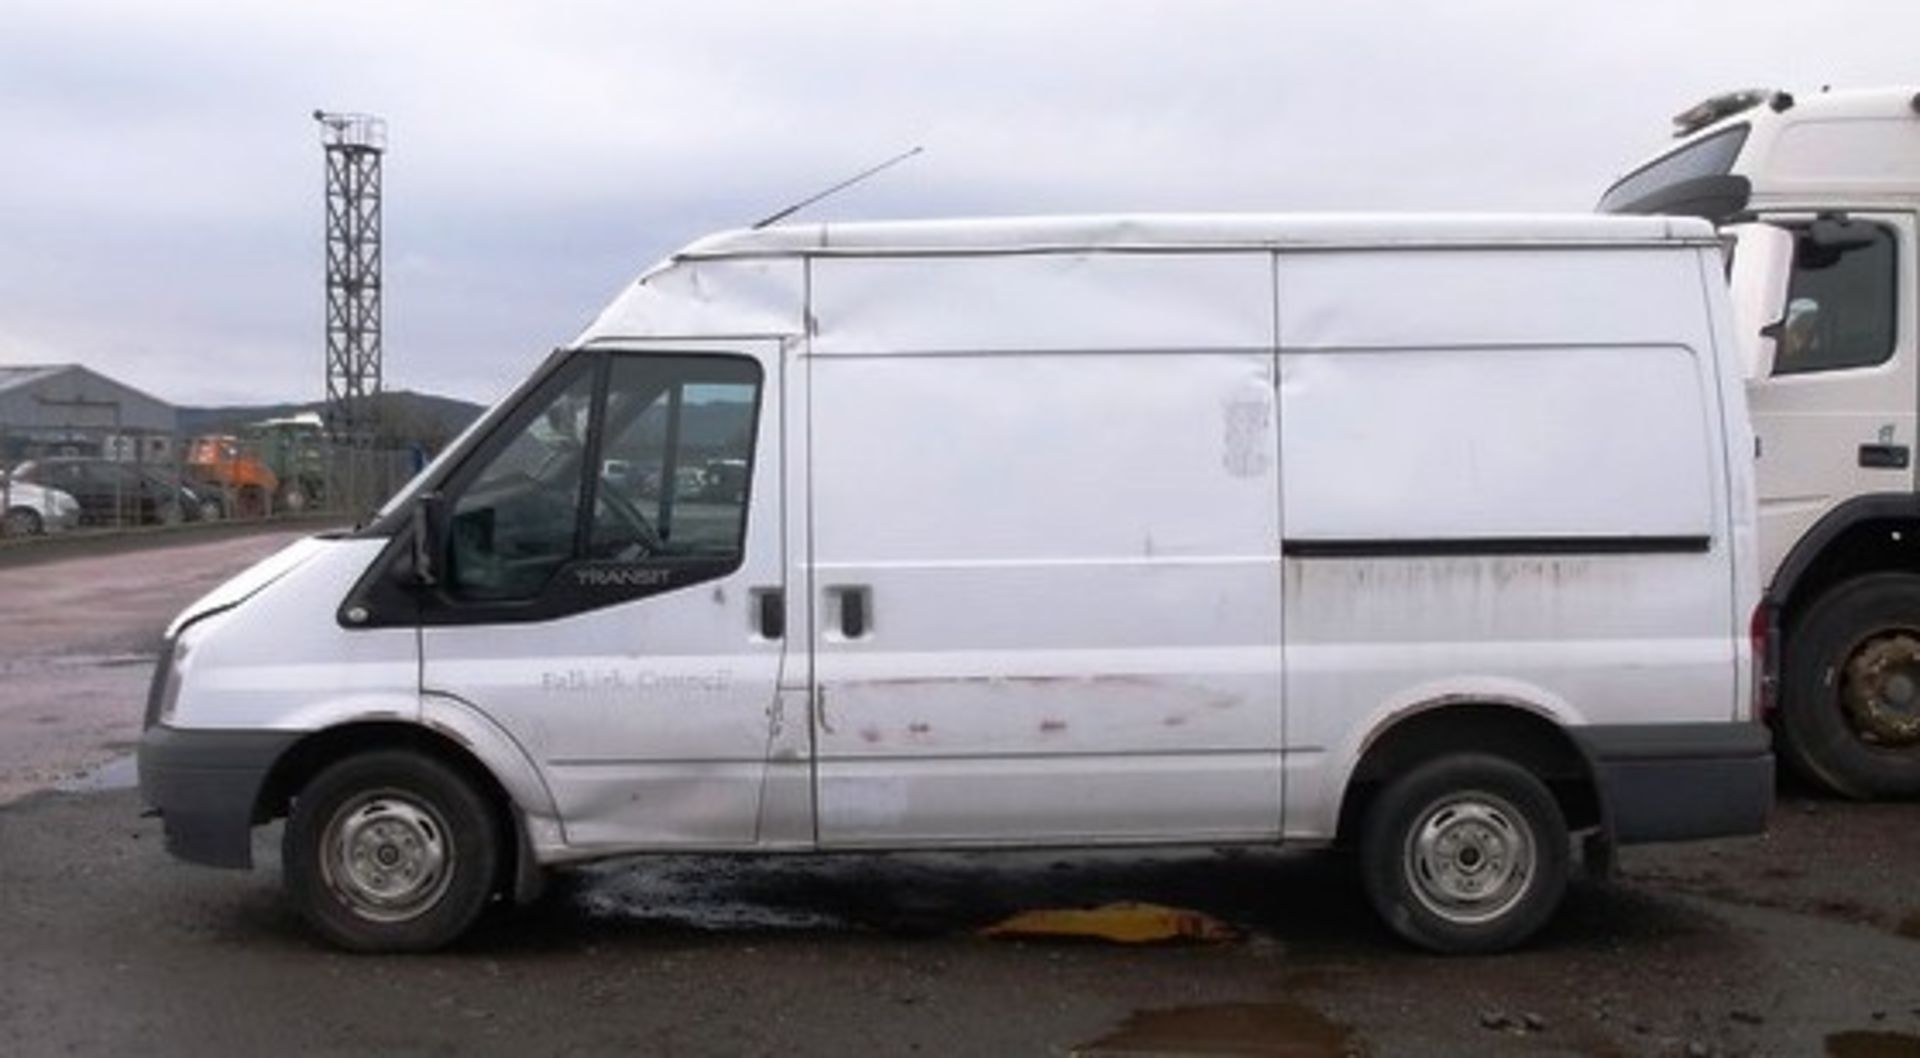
[1680, 782]
[205, 785]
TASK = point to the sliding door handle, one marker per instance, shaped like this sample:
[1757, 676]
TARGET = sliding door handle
[855, 603]
[770, 612]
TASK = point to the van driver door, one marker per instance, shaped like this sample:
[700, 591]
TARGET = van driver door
[612, 594]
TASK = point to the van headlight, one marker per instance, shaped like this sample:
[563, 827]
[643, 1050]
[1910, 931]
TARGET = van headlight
[164, 694]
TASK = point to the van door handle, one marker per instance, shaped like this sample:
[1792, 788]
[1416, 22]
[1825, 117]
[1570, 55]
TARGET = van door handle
[1884, 457]
[770, 612]
[855, 610]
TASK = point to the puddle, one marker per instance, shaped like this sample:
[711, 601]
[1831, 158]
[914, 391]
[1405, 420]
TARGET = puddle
[1868, 1044]
[1123, 923]
[695, 893]
[1286, 1030]
[120, 774]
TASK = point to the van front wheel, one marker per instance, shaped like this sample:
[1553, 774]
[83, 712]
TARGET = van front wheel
[1465, 854]
[391, 851]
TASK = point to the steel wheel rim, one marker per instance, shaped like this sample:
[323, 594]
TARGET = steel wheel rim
[1471, 858]
[387, 856]
[1879, 689]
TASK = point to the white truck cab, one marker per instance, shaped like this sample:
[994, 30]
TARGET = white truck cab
[1432, 535]
[1819, 193]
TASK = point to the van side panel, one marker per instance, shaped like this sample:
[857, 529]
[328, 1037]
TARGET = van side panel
[1073, 615]
[1500, 486]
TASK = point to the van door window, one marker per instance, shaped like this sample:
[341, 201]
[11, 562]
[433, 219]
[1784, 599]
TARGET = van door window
[1842, 306]
[674, 460]
[515, 523]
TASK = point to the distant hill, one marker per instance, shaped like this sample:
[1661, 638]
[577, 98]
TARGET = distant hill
[405, 417]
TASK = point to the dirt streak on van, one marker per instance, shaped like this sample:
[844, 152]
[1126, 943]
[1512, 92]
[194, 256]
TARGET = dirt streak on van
[1429, 534]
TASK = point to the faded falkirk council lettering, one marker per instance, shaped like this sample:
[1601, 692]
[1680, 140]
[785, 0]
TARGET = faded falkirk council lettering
[620, 577]
[574, 681]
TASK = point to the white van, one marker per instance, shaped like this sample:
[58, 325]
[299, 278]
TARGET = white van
[1431, 535]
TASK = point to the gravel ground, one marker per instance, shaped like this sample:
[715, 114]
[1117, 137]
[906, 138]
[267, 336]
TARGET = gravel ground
[77, 643]
[1799, 943]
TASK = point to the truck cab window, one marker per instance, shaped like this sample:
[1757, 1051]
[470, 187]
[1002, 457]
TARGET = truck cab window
[675, 457]
[514, 523]
[1842, 306]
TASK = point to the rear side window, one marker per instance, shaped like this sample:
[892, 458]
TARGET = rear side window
[1842, 306]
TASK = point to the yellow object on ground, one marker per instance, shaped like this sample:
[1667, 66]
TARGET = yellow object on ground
[1125, 923]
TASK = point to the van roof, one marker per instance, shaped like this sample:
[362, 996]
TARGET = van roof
[1198, 231]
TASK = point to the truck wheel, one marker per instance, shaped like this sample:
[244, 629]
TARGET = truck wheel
[23, 521]
[1850, 689]
[1465, 854]
[391, 851]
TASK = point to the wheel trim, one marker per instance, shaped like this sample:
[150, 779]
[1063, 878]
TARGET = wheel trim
[387, 856]
[1470, 858]
[1880, 689]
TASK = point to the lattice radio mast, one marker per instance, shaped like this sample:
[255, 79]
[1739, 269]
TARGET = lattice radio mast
[354, 144]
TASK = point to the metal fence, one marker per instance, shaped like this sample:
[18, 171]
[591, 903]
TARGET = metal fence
[103, 479]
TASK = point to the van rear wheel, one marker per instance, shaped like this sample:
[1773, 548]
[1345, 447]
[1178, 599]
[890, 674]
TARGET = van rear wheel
[1465, 853]
[1850, 689]
[391, 851]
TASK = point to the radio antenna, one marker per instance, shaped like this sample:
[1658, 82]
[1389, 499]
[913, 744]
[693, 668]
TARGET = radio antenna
[839, 187]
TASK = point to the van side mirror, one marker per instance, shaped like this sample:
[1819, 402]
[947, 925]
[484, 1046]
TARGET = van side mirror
[1831, 231]
[429, 519]
[1759, 279]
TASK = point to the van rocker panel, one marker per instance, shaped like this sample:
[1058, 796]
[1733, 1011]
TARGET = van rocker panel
[1679, 782]
[205, 785]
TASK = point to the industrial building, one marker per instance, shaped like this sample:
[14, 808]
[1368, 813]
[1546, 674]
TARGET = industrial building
[67, 408]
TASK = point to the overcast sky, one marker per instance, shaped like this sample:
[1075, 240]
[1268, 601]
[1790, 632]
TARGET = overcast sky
[161, 195]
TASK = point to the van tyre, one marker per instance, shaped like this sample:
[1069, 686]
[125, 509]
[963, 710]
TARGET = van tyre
[1465, 854]
[391, 851]
[1850, 689]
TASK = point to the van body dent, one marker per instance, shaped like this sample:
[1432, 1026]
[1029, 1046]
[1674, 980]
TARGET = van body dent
[1430, 534]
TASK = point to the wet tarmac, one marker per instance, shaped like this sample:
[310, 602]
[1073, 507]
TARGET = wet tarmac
[1800, 943]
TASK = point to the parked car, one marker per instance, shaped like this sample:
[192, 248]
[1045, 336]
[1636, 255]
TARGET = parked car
[200, 502]
[110, 493]
[35, 509]
[1223, 530]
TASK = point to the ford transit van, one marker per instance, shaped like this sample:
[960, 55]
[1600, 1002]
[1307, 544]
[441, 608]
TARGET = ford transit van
[1431, 536]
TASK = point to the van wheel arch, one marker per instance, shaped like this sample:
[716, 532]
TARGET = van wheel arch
[315, 753]
[1503, 730]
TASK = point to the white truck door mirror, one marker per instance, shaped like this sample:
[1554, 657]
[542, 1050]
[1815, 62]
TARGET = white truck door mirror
[1762, 269]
